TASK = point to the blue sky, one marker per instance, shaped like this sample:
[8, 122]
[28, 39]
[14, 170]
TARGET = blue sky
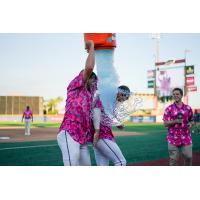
[44, 64]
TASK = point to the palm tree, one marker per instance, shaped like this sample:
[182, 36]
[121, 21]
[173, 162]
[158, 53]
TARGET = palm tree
[52, 105]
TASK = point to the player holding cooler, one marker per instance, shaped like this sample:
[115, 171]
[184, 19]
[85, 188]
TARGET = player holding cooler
[75, 127]
[28, 115]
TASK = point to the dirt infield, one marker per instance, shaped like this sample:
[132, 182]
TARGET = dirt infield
[16, 134]
[165, 162]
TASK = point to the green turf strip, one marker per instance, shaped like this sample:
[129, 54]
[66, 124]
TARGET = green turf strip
[34, 124]
[149, 146]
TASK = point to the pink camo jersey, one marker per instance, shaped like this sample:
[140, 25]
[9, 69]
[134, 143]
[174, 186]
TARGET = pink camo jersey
[178, 134]
[27, 114]
[77, 121]
[105, 130]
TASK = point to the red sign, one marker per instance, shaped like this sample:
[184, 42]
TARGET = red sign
[190, 80]
[192, 89]
[169, 62]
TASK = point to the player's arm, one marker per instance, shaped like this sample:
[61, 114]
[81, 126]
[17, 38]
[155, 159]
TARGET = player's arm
[172, 122]
[191, 119]
[168, 121]
[190, 124]
[22, 117]
[120, 127]
[90, 62]
[32, 117]
[96, 123]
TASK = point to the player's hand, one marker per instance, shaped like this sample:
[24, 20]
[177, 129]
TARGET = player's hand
[96, 138]
[190, 125]
[120, 127]
[178, 121]
[89, 45]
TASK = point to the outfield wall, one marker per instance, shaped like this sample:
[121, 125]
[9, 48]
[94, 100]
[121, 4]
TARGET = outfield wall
[59, 118]
[141, 119]
[36, 118]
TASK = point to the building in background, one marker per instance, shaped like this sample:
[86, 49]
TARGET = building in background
[15, 105]
[12, 107]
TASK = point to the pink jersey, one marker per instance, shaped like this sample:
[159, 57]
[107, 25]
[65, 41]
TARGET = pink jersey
[77, 119]
[179, 134]
[27, 114]
[105, 130]
[165, 83]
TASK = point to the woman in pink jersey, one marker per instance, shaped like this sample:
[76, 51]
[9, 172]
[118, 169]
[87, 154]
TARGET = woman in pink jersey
[75, 127]
[105, 146]
[28, 115]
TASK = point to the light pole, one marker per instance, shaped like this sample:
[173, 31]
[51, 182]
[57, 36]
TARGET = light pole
[156, 37]
[185, 87]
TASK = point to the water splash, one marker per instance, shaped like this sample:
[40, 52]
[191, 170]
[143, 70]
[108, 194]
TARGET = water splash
[122, 111]
[125, 109]
[115, 113]
[108, 80]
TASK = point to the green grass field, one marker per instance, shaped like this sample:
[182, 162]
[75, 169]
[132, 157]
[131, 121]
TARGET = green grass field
[149, 146]
[34, 124]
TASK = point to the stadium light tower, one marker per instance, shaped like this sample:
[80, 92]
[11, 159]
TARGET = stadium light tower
[156, 37]
[185, 53]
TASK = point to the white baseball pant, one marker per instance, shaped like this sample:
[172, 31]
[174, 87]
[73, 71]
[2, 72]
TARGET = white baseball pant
[27, 123]
[73, 153]
[107, 150]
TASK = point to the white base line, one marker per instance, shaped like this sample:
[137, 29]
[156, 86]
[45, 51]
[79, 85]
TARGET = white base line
[26, 147]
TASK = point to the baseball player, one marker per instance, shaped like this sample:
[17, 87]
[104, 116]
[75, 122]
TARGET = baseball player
[28, 115]
[75, 127]
[104, 144]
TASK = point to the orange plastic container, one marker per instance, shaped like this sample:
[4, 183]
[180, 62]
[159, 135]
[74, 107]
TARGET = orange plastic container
[102, 40]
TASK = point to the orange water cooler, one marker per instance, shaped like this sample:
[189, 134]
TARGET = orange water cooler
[101, 40]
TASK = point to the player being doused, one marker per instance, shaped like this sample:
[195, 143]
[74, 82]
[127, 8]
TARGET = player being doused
[105, 146]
